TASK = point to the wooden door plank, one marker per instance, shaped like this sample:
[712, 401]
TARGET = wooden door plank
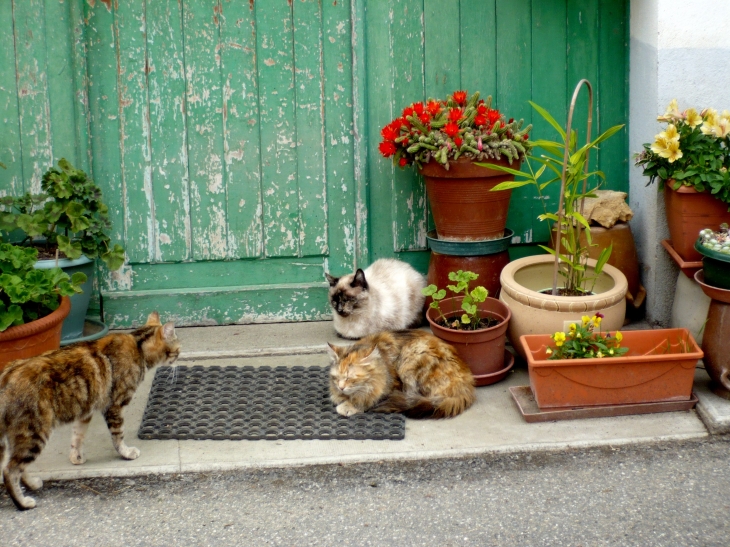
[168, 146]
[11, 154]
[275, 48]
[613, 85]
[241, 130]
[130, 27]
[442, 48]
[514, 89]
[208, 203]
[478, 24]
[80, 84]
[32, 82]
[409, 207]
[339, 141]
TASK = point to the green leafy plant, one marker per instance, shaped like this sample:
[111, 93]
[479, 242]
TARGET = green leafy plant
[573, 256]
[692, 150]
[445, 130]
[470, 319]
[70, 215]
[26, 293]
[586, 341]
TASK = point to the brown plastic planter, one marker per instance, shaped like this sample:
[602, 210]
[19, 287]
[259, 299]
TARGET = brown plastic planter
[33, 338]
[659, 366]
[464, 207]
[483, 350]
[688, 212]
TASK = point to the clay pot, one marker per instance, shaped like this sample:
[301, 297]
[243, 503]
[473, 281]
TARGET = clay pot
[659, 366]
[715, 265]
[463, 207]
[536, 313]
[716, 337]
[484, 349]
[688, 212]
[33, 338]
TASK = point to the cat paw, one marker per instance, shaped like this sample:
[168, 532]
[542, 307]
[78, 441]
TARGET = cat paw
[25, 503]
[129, 452]
[76, 457]
[346, 409]
[32, 483]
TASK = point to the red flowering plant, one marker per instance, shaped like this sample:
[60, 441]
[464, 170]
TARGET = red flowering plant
[443, 131]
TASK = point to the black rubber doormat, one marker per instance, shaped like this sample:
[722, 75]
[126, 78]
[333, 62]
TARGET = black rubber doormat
[254, 403]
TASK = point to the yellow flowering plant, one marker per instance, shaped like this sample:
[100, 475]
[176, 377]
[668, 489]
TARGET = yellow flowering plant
[692, 150]
[585, 340]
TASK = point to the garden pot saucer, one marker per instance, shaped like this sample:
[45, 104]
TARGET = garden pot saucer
[494, 377]
[716, 293]
[688, 267]
[93, 330]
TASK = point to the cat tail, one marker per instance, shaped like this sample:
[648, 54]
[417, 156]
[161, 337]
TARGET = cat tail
[411, 406]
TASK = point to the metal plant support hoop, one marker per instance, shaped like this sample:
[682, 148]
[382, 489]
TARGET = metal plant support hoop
[565, 167]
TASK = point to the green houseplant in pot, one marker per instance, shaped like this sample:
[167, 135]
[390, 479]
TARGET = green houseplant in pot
[33, 303]
[68, 224]
[474, 324]
[442, 139]
[690, 158]
[530, 285]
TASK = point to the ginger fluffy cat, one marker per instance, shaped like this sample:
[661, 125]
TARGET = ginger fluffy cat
[412, 372]
[68, 385]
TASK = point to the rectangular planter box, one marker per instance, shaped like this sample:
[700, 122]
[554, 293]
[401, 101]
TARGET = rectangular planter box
[659, 366]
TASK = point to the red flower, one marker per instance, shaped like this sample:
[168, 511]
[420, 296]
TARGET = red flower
[387, 148]
[425, 118]
[460, 97]
[403, 162]
[479, 119]
[404, 142]
[408, 111]
[511, 120]
[525, 137]
[455, 114]
[390, 131]
[493, 116]
[418, 108]
[458, 141]
[451, 129]
[433, 108]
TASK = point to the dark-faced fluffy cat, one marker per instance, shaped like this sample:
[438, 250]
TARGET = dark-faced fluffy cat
[412, 372]
[68, 385]
[386, 296]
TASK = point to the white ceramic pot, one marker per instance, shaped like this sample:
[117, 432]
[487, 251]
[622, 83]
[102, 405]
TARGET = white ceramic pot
[536, 313]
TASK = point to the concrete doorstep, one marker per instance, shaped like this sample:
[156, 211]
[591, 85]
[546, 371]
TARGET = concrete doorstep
[492, 425]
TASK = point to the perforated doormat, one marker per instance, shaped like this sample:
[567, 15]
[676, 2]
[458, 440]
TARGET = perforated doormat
[254, 403]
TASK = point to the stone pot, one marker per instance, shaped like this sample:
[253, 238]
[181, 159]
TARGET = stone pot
[536, 313]
[34, 338]
[463, 206]
[484, 349]
[688, 212]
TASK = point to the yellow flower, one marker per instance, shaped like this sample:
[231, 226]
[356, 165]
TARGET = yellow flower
[670, 133]
[548, 351]
[667, 148]
[618, 336]
[599, 354]
[671, 113]
[722, 128]
[596, 320]
[610, 352]
[693, 118]
[586, 319]
[559, 338]
[710, 116]
[673, 152]
[573, 326]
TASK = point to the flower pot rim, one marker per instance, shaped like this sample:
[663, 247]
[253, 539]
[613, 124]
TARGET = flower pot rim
[435, 169]
[710, 253]
[47, 264]
[530, 341]
[39, 325]
[533, 298]
[715, 293]
[505, 319]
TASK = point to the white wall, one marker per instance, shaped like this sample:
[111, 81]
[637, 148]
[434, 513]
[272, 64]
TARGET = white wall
[679, 50]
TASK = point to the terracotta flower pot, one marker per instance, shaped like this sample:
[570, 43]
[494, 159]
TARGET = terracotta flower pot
[715, 339]
[33, 338]
[463, 207]
[483, 350]
[536, 313]
[688, 212]
[659, 366]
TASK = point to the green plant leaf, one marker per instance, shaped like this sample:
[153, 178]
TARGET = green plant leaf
[548, 118]
[428, 291]
[603, 258]
[72, 249]
[465, 319]
[114, 258]
[479, 294]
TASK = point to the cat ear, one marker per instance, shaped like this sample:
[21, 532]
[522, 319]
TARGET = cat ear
[153, 319]
[331, 280]
[168, 331]
[359, 280]
[334, 352]
[373, 356]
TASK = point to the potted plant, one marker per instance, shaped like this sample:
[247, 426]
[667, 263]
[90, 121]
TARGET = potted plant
[690, 158]
[714, 246]
[585, 367]
[474, 324]
[443, 139]
[530, 284]
[33, 303]
[68, 224]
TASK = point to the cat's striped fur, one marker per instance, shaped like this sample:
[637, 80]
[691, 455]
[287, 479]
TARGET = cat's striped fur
[68, 385]
[412, 372]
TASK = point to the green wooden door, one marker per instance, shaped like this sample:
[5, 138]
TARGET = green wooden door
[236, 140]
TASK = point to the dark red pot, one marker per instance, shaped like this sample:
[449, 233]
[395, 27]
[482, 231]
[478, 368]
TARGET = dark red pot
[464, 207]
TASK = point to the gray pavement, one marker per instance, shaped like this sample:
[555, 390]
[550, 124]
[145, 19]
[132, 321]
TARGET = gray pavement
[657, 494]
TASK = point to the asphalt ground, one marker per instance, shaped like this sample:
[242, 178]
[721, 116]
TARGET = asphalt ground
[663, 494]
